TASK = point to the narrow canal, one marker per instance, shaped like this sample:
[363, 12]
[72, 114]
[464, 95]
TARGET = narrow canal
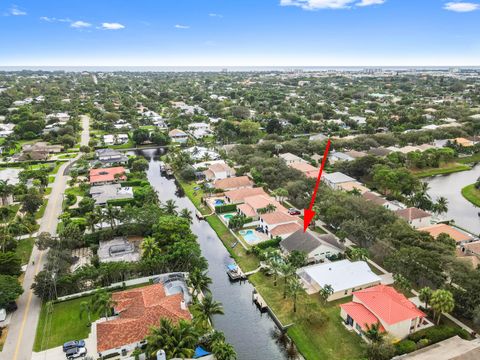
[450, 186]
[244, 326]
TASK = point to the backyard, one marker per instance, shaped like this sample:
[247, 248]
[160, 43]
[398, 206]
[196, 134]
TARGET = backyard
[472, 194]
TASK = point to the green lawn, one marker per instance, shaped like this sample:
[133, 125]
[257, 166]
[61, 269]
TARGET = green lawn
[41, 210]
[64, 324]
[24, 249]
[316, 339]
[444, 169]
[471, 194]
[195, 196]
[470, 159]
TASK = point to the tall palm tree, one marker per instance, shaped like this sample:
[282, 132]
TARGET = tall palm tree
[208, 307]
[199, 281]
[150, 249]
[287, 271]
[294, 287]
[442, 302]
[441, 206]
[274, 266]
[170, 207]
[374, 333]
[425, 295]
[103, 302]
[111, 214]
[280, 194]
[186, 214]
[325, 292]
[87, 307]
[92, 220]
[6, 190]
[178, 341]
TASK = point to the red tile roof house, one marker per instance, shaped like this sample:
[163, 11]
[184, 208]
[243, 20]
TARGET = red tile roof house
[382, 304]
[106, 175]
[308, 170]
[138, 310]
[233, 183]
[280, 224]
[238, 196]
[218, 171]
[252, 204]
[416, 218]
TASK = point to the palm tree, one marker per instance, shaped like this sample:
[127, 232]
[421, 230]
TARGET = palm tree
[150, 249]
[111, 214]
[199, 281]
[170, 207]
[92, 220]
[287, 271]
[103, 302]
[425, 295]
[207, 308]
[223, 351]
[294, 287]
[374, 332]
[401, 282]
[178, 341]
[274, 265]
[6, 190]
[280, 194]
[186, 214]
[325, 292]
[441, 206]
[358, 253]
[87, 307]
[442, 302]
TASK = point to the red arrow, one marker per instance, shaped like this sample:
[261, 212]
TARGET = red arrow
[308, 214]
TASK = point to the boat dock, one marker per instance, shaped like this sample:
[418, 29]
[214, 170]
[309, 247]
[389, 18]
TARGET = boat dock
[199, 215]
[235, 273]
[259, 301]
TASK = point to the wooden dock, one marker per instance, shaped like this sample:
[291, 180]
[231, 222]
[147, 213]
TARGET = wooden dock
[199, 215]
[259, 301]
[236, 274]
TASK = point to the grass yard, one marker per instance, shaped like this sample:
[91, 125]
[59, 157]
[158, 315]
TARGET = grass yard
[195, 196]
[442, 170]
[64, 324]
[471, 194]
[316, 339]
[41, 210]
[470, 159]
[24, 249]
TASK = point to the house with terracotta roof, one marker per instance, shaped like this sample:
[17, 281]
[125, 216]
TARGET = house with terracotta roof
[218, 171]
[308, 170]
[239, 196]
[103, 176]
[343, 276]
[290, 158]
[278, 223]
[463, 142]
[252, 205]
[460, 237]
[416, 218]
[353, 186]
[233, 183]
[397, 315]
[137, 310]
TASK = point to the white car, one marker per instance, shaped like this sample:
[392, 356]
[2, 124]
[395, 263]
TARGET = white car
[76, 353]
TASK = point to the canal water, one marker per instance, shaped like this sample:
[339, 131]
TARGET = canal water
[450, 186]
[244, 326]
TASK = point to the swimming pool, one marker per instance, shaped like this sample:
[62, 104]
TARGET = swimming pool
[249, 236]
[227, 217]
[219, 202]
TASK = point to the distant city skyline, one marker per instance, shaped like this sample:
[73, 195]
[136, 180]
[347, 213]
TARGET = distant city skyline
[228, 33]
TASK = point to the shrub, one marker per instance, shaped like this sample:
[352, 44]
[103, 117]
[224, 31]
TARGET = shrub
[437, 333]
[405, 347]
[120, 202]
[269, 244]
[422, 343]
[135, 182]
[225, 208]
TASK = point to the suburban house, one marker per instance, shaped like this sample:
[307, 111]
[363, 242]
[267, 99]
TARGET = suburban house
[318, 137]
[379, 200]
[107, 175]
[38, 151]
[460, 237]
[304, 167]
[279, 223]
[110, 156]
[334, 180]
[218, 171]
[417, 218]
[137, 310]
[463, 142]
[382, 304]
[239, 196]
[104, 193]
[178, 136]
[233, 183]
[252, 204]
[122, 124]
[199, 130]
[339, 156]
[316, 247]
[343, 276]
[199, 153]
[290, 158]
[60, 116]
[115, 139]
[472, 248]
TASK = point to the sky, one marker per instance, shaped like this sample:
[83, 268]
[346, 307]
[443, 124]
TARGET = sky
[239, 33]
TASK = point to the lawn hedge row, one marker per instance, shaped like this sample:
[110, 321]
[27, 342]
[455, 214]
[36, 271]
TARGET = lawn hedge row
[137, 182]
[225, 208]
[120, 202]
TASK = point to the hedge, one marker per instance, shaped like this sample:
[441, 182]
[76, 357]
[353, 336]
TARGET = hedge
[131, 183]
[225, 208]
[439, 333]
[269, 244]
[120, 202]
[405, 346]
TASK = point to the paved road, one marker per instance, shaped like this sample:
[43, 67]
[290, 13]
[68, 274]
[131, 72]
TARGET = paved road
[22, 329]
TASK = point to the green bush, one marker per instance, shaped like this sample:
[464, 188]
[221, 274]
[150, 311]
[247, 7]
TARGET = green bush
[438, 333]
[422, 343]
[274, 243]
[225, 208]
[136, 182]
[405, 347]
[120, 202]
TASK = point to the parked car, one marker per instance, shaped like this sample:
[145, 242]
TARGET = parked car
[73, 345]
[75, 353]
[293, 211]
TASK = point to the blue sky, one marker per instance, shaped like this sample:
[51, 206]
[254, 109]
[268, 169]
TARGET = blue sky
[240, 32]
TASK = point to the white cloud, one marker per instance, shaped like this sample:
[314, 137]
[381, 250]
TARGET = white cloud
[52, 19]
[178, 26]
[112, 26]
[80, 24]
[461, 6]
[215, 15]
[329, 4]
[370, 2]
[15, 11]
